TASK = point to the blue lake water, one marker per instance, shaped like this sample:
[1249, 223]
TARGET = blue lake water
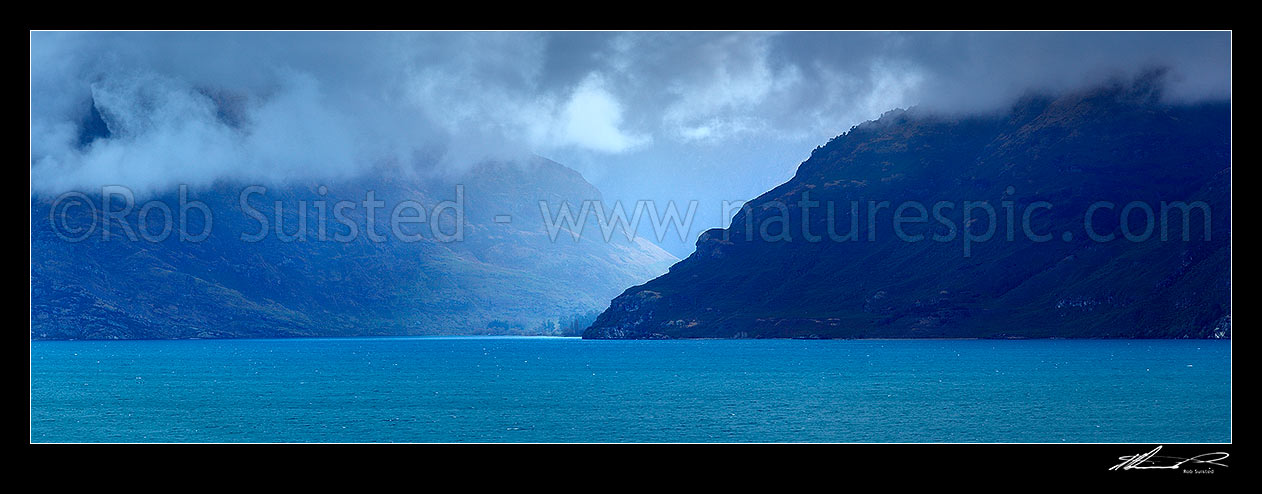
[571, 390]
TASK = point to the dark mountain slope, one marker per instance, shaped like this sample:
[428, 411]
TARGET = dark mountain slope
[500, 278]
[765, 277]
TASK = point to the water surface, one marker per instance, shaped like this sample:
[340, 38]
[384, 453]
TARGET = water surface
[571, 390]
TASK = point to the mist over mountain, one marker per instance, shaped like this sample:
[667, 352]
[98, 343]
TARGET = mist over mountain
[255, 273]
[1073, 243]
[682, 118]
[661, 116]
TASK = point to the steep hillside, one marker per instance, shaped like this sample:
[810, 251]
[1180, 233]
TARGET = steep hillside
[779, 271]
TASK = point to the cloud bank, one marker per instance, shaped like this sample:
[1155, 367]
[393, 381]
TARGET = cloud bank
[150, 110]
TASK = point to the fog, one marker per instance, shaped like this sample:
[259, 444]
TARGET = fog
[679, 116]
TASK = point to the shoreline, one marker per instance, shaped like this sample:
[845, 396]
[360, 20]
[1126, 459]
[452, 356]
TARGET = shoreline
[552, 337]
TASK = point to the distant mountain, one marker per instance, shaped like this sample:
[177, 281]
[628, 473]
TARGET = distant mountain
[763, 277]
[505, 276]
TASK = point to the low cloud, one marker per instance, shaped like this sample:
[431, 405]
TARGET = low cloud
[591, 120]
[198, 107]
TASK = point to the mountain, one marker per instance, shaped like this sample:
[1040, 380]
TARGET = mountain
[764, 277]
[506, 276]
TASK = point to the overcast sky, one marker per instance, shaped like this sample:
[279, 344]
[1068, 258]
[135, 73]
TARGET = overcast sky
[662, 116]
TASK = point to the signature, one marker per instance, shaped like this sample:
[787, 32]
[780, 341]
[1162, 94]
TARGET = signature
[1150, 461]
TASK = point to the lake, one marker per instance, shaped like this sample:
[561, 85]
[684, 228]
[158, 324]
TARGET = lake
[529, 389]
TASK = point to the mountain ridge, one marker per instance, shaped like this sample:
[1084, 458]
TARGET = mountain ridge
[761, 278]
[499, 278]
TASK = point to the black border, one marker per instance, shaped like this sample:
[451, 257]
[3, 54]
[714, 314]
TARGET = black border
[628, 16]
[838, 465]
[835, 465]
